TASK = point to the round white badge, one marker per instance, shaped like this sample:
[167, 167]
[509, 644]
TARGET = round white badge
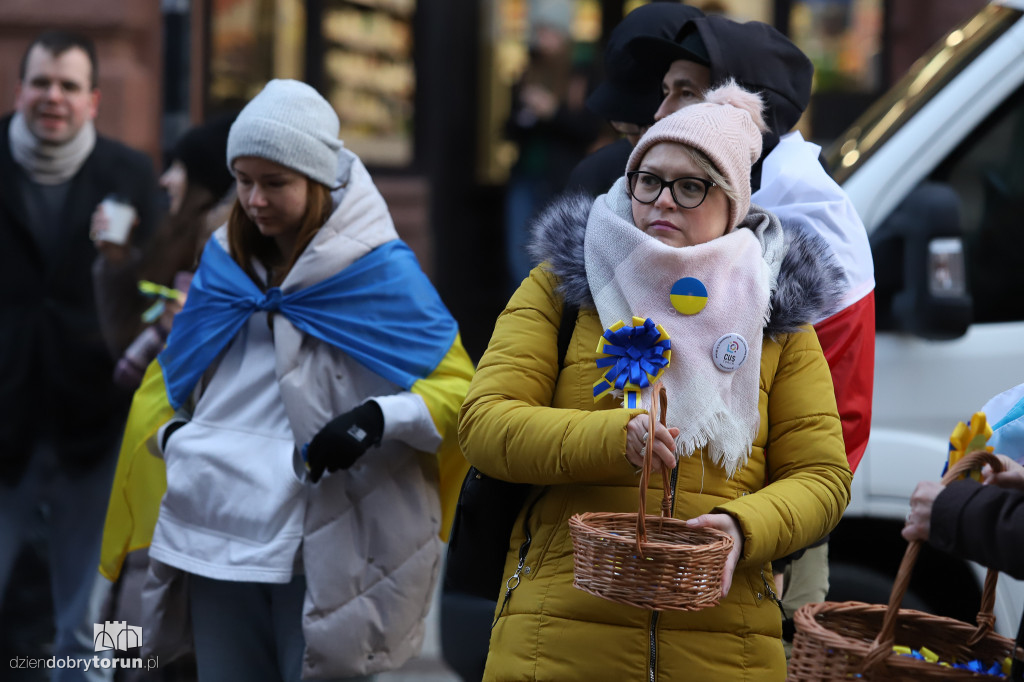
[729, 352]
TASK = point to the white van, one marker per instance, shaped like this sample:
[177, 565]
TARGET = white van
[936, 171]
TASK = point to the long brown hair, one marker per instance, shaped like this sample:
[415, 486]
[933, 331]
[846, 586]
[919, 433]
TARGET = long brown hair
[246, 242]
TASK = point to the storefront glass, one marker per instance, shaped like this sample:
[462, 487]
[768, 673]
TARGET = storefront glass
[370, 77]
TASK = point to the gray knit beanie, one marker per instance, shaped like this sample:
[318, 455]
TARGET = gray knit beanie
[289, 123]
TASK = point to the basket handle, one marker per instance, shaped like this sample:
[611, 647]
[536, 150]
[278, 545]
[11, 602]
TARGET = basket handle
[882, 646]
[658, 412]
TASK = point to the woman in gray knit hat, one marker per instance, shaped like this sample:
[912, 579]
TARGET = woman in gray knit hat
[311, 375]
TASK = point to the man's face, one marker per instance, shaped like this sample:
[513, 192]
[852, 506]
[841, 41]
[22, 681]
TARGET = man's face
[56, 97]
[684, 84]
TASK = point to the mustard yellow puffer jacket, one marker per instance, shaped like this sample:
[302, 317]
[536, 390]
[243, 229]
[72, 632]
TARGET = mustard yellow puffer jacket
[791, 492]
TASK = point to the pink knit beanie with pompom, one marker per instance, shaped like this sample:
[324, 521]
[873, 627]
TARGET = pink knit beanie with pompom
[727, 127]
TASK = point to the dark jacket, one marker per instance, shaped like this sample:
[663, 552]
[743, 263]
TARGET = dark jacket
[598, 171]
[982, 523]
[55, 366]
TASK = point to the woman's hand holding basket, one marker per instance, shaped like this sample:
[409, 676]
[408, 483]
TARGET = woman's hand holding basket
[664, 442]
[727, 524]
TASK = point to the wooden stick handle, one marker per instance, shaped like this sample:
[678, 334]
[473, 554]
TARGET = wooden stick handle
[659, 403]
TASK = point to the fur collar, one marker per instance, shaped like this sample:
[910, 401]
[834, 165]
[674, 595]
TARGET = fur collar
[809, 284]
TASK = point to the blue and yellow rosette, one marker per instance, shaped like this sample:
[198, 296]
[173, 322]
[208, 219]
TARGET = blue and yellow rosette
[967, 438]
[635, 356]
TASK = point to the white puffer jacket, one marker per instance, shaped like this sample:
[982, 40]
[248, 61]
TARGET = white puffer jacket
[370, 547]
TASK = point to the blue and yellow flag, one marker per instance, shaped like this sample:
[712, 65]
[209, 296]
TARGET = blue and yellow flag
[381, 310]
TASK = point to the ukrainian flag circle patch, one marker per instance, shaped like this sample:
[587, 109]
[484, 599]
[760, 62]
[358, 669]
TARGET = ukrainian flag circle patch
[689, 295]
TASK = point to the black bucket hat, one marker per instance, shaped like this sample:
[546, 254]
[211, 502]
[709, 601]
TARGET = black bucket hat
[631, 92]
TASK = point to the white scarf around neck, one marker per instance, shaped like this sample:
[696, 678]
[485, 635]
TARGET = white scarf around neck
[46, 163]
[631, 274]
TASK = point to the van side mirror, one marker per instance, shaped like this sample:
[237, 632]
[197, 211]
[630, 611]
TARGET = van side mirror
[920, 275]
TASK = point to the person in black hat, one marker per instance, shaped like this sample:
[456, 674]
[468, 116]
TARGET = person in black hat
[628, 96]
[756, 55]
[196, 169]
[790, 180]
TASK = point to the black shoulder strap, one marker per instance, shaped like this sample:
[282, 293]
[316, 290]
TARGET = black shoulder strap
[570, 311]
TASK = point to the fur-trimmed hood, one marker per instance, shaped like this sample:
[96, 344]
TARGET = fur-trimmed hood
[809, 283]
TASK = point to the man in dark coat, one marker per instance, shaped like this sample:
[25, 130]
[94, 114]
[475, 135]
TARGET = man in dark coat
[629, 95]
[982, 522]
[62, 416]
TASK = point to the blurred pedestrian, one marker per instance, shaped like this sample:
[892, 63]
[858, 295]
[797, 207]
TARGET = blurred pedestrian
[308, 377]
[550, 125]
[200, 193]
[62, 412]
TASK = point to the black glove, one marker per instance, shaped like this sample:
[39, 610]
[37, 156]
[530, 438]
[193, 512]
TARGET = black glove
[344, 439]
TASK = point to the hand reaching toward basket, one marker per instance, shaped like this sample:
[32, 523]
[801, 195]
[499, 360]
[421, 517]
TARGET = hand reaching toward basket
[1012, 476]
[726, 523]
[919, 518]
[664, 442]
[918, 525]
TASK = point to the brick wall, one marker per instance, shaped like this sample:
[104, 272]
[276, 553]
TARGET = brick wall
[128, 42]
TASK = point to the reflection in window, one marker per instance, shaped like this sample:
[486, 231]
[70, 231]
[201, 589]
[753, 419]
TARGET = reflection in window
[987, 172]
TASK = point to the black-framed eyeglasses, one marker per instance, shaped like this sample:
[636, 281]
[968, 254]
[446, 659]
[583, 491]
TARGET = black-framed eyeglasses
[686, 192]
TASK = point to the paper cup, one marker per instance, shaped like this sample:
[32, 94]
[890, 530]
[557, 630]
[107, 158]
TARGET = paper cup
[120, 217]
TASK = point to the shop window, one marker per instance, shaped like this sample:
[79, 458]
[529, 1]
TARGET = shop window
[251, 42]
[369, 76]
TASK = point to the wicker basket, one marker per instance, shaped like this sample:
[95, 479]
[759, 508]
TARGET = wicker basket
[651, 562]
[842, 640]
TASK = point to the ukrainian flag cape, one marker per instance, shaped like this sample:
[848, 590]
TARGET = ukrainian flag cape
[381, 310]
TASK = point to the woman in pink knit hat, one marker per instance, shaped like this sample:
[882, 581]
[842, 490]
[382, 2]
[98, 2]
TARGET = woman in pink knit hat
[753, 439]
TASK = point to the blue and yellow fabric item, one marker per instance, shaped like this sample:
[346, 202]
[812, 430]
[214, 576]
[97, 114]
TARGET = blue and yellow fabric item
[635, 356]
[162, 294]
[381, 310]
[1008, 432]
[966, 438]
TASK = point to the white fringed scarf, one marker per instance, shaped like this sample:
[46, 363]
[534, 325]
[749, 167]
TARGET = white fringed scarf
[45, 163]
[631, 273]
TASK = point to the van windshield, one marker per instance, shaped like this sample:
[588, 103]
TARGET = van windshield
[926, 77]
